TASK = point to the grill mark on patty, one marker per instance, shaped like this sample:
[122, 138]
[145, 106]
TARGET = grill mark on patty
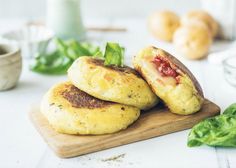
[124, 69]
[80, 99]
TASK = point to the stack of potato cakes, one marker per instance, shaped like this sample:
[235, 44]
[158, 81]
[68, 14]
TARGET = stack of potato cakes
[97, 99]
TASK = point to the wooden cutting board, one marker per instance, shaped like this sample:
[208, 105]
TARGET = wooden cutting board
[156, 122]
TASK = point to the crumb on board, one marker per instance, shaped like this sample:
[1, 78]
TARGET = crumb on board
[114, 158]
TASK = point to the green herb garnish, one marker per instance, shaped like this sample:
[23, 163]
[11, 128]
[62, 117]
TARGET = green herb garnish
[215, 131]
[58, 61]
[114, 54]
[53, 63]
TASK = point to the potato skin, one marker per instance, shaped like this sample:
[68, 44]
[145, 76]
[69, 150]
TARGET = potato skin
[121, 85]
[65, 118]
[162, 24]
[193, 40]
[183, 98]
[204, 17]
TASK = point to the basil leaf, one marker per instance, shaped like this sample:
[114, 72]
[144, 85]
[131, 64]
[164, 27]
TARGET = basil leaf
[114, 54]
[60, 60]
[73, 49]
[215, 131]
[62, 47]
[77, 47]
[53, 63]
[93, 50]
[231, 110]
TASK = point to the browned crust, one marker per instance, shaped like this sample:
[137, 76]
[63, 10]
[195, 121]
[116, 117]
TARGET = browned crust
[124, 69]
[80, 99]
[179, 65]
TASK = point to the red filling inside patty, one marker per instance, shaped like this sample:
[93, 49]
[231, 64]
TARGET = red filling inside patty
[164, 67]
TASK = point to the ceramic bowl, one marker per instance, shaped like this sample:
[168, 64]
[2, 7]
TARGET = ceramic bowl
[10, 66]
[31, 39]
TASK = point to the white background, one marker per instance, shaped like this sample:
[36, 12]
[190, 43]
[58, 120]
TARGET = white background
[22, 147]
[32, 9]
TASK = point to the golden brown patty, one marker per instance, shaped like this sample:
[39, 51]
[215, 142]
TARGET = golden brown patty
[170, 80]
[72, 111]
[111, 83]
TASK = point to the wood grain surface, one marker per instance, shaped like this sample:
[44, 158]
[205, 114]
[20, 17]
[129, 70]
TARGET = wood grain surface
[156, 122]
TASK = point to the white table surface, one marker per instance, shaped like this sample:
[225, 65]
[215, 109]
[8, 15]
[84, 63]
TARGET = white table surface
[22, 147]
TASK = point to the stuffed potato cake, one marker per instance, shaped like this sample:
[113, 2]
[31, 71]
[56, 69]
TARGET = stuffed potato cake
[111, 83]
[72, 111]
[170, 80]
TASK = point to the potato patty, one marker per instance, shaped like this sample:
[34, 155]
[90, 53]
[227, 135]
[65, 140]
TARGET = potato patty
[70, 110]
[170, 80]
[111, 83]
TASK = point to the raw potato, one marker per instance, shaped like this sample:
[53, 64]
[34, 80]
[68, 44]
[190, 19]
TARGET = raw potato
[80, 113]
[184, 97]
[202, 16]
[163, 25]
[111, 83]
[193, 40]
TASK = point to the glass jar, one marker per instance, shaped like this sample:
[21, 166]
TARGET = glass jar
[224, 11]
[229, 65]
[64, 18]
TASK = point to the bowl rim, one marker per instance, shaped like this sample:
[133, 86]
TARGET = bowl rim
[49, 32]
[13, 50]
[225, 62]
